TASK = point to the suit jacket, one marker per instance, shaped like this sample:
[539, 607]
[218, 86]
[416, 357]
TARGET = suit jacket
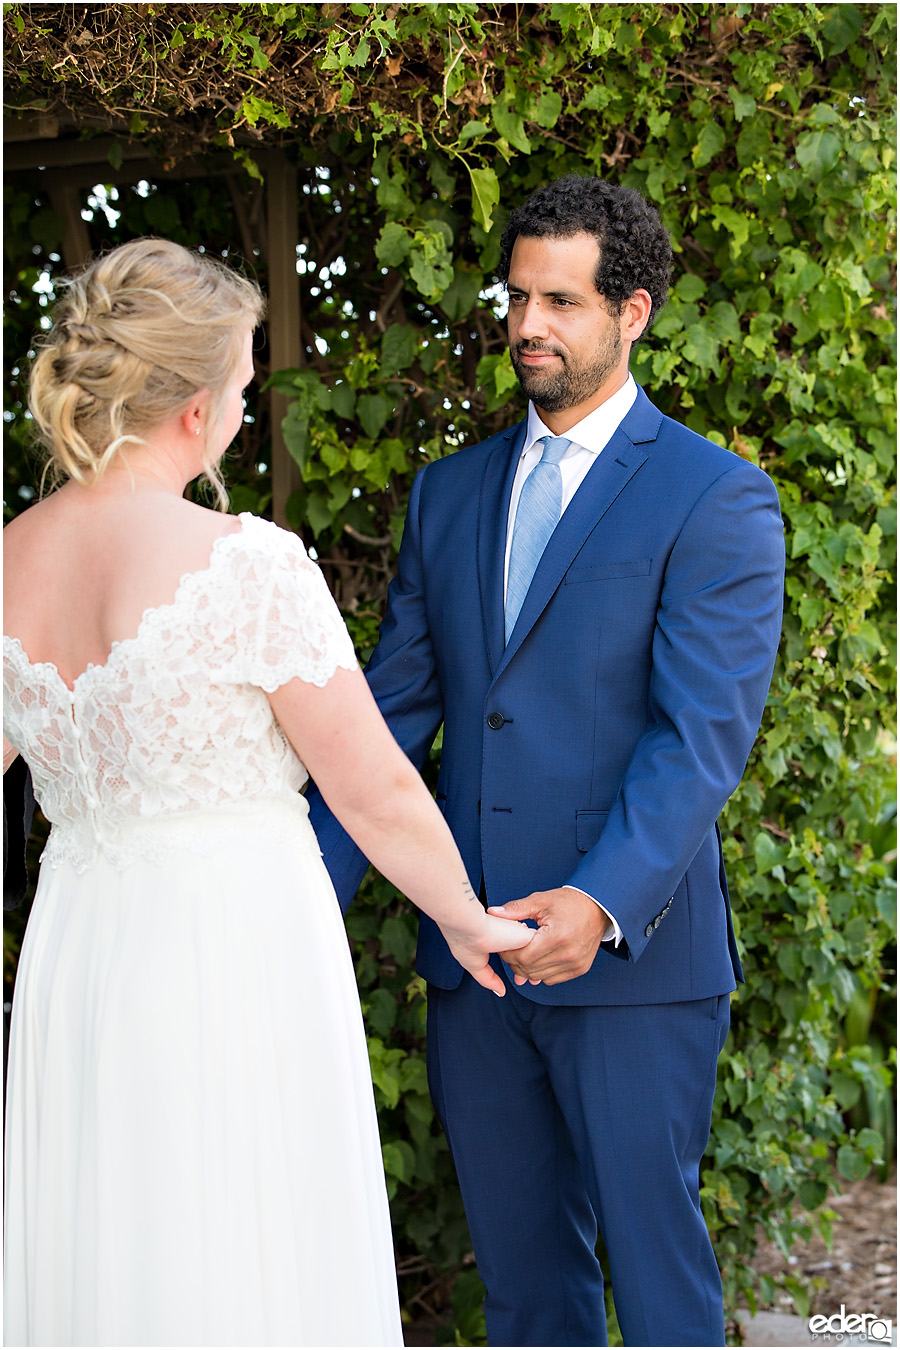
[599, 746]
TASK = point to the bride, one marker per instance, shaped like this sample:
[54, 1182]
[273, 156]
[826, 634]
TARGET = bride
[192, 1147]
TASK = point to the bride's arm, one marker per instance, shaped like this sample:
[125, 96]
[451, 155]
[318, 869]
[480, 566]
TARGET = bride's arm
[9, 754]
[382, 803]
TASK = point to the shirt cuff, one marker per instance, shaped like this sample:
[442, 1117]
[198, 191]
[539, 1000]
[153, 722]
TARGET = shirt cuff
[614, 933]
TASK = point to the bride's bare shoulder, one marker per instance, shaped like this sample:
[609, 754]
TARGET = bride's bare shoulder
[74, 531]
[193, 524]
[19, 531]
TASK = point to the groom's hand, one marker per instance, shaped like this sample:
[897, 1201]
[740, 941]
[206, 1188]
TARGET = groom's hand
[570, 929]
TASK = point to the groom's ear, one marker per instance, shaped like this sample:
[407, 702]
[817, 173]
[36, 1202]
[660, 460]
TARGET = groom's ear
[635, 315]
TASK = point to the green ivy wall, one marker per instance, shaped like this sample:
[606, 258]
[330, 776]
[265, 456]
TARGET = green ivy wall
[765, 135]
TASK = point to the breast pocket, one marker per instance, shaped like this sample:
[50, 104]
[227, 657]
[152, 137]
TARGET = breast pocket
[609, 571]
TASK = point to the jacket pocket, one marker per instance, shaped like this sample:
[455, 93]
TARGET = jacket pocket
[588, 828]
[610, 571]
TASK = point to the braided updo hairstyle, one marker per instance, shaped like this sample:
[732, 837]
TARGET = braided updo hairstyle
[136, 334]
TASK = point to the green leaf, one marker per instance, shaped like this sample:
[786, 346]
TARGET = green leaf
[744, 104]
[847, 1091]
[343, 400]
[822, 114]
[257, 110]
[296, 436]
[485, 195]
[710, 141]
[461, 295]
[722, 320]
[701, 347]
[249, 164]
[658, 120]
[871, 1141]
[496, 376]
[511, 126]
[393, 1159]
[548, 109]
[381, 1011]
[318, 513]
[361, 55]
[767, 852]
[754, 144]
[842, 26]
[689, 287]
[431, 267]
[398, 348]
[811, 1194]
[114, 154]
[800, 1294]
[472, 130]
[398, 939]
[373, 410]
[818, 152]
[258, 58]
[851, 1164]
[735, 222]
[393, 245]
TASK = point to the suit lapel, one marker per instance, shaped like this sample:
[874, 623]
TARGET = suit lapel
[615, 466]
[493, 512]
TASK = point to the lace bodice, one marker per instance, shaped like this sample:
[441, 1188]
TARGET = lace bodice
[176, 720]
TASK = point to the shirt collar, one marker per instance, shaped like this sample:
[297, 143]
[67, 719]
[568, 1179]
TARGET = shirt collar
[593, 432]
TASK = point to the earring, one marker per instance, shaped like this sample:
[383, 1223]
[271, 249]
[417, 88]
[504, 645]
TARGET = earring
[197, 432]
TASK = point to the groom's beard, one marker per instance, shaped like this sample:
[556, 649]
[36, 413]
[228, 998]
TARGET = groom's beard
[571, 383]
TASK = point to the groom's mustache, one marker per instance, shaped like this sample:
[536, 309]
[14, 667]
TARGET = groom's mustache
[533, 348]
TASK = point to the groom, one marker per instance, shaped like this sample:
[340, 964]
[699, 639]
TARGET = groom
[590, 603]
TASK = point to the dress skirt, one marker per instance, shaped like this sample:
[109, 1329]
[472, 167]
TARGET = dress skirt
[192, 1145]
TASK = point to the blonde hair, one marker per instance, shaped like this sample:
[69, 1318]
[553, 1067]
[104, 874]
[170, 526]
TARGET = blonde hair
[136, 334]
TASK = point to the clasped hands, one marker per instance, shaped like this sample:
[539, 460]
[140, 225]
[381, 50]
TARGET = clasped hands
[570, 929]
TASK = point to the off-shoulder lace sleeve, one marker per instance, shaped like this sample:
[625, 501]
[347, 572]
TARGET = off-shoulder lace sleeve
[292, 625]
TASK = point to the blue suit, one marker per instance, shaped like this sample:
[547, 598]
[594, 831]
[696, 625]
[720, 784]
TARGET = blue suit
[597, 748]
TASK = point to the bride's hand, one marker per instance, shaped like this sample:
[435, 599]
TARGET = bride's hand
[494, 935]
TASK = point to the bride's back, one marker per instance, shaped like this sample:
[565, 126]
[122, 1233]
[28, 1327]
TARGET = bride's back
[81, 568]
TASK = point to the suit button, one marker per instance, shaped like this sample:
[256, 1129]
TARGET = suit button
[648, 931]
[495, 721]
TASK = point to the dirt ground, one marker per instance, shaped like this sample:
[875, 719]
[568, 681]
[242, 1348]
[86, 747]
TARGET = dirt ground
[861, 1269]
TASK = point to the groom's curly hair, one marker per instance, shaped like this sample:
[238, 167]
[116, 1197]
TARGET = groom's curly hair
[635, 251]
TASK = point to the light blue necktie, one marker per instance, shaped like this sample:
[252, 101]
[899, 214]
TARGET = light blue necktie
[537, 515]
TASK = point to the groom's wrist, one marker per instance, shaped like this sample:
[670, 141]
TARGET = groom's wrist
[613, 933]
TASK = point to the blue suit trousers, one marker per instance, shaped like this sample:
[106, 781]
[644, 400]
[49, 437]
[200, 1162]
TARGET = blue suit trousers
[563, 1121]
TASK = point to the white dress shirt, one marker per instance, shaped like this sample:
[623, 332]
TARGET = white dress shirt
[589, 437]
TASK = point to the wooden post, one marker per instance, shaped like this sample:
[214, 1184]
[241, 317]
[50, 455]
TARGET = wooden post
[76, 242]
[284, 314]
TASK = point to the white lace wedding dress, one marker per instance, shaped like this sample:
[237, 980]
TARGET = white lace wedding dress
[192, 1147]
